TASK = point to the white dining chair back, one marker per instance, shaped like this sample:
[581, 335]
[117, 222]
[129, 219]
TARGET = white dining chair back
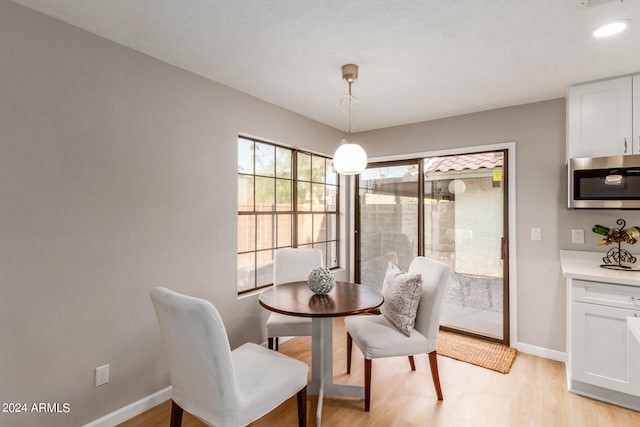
[435, 276]
[219, 386]
[377, 337]
[291, 265]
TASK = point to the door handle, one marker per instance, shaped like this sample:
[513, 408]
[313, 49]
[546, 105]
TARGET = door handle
[504, 248]
[625, 145]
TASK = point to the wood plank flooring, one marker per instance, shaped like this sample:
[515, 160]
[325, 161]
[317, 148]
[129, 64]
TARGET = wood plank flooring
[533, 394]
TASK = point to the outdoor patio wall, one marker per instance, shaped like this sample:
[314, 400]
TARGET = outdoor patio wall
[538, 129]
[117, 174]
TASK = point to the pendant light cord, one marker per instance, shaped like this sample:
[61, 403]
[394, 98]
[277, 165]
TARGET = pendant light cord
[350, 97]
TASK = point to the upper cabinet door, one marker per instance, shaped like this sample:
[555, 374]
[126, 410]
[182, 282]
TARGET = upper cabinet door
[636, 114]
[599, 119]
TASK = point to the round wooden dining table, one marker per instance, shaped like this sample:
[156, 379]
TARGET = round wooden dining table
[345, 299]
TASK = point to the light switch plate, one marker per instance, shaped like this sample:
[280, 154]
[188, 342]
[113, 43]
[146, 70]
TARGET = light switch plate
[577, 236]
[536, 233]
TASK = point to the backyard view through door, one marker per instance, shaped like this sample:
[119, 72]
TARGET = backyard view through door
[461, 221]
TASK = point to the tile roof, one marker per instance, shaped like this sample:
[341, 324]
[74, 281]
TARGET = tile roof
[470, 161]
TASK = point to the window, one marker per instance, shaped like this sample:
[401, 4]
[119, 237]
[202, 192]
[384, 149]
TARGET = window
[286, 198]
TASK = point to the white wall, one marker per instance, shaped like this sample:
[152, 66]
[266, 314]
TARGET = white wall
[117, 174]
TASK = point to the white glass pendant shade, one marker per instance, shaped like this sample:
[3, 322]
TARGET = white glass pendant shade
[613, 179]
[457, 186]
[350, 159]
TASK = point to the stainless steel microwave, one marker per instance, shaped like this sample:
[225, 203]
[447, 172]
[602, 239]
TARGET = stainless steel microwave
[605, 182]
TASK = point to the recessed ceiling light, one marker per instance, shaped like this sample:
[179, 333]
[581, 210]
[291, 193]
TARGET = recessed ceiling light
[611, 28]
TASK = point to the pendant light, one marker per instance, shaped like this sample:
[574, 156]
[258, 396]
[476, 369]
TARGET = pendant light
[349, 158]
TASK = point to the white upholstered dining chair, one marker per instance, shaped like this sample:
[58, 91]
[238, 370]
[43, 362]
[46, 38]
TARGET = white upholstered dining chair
[219, 386]
[291, 265]
[377, 337]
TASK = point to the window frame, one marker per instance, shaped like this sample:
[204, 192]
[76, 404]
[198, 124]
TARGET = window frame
[295, 213]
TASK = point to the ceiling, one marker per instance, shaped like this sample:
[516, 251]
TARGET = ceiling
[419, 59]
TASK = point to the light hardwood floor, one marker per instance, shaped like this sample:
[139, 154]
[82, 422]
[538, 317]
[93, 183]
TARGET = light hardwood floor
[532, 394]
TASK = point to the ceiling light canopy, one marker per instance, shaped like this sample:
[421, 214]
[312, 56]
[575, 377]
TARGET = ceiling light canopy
[611, 28]
[349, 158]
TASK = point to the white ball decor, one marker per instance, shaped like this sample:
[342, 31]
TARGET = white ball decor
[350, 159]
[321, 280]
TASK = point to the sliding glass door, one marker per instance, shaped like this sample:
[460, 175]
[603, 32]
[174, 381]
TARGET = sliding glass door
[461, 221]
[464, 225]
[388, 226]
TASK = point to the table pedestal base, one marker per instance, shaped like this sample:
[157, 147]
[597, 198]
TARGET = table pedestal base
[322, 366]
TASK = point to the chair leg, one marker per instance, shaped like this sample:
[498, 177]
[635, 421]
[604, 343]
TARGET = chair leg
[302, 407]
[367, 384]
[176, 415]
[349, 348]
[270, 342]
[433, 362]
[412, 363]
[277, 344]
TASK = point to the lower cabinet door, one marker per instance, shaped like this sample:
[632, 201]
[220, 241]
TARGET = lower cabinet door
[604, 353]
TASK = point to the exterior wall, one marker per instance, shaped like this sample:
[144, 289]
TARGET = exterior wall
[478, 222]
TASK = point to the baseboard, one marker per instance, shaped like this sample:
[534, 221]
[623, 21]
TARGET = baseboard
[131, 410]
[605, 395]
[542, 352]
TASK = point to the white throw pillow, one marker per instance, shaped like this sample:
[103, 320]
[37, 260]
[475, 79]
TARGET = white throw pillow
[402, 292]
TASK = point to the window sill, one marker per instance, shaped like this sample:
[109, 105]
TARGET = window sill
[251, 294]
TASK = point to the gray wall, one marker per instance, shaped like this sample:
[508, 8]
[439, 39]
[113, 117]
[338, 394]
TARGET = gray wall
[539, 133]
[117, 174]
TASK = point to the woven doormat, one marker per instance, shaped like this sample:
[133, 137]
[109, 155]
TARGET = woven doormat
[488, 355]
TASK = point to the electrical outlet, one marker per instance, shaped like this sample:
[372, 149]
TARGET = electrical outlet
[102, 375]
[577, 236]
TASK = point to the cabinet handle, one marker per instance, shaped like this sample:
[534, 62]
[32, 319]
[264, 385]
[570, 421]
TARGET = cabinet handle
[625, 145]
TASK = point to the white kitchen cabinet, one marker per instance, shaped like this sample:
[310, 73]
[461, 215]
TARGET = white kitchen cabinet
[636, 114]
[599, 118]
[605, 352]
[634, 326]
[603, 357]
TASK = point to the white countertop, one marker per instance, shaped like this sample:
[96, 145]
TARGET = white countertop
[586, 266]
[634, 326]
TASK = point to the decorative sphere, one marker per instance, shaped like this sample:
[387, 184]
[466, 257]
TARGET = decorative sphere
[350, 159]
[321, 281]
